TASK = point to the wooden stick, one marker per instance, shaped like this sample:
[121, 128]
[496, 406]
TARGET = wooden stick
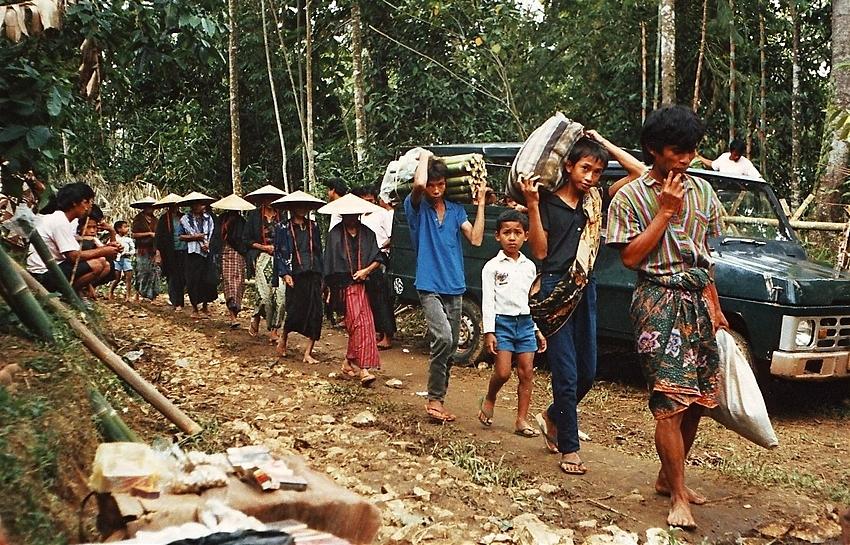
[802, 208]
[111, 359]
[609, 508]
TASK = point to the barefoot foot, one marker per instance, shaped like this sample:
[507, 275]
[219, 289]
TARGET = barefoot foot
[309, 359]
[680, 515]
[663, 489]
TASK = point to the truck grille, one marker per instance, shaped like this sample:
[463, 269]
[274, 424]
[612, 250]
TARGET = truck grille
[833, 332]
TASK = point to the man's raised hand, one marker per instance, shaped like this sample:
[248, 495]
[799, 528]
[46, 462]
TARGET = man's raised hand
[672, 194]
[530, 188]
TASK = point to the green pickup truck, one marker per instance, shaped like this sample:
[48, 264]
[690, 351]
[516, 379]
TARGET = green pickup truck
[790, 315]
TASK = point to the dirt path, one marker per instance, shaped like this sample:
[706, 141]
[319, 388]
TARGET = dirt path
[459, 482]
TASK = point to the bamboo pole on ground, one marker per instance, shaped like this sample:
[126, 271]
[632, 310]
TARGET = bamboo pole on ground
[55, 272]
[112, 427]
[111, 359]
[22, 301]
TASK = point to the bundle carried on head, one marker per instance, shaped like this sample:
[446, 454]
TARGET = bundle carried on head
[542, 154]
[465, 174]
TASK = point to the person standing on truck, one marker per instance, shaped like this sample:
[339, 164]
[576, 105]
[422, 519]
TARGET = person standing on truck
[435, 228]
[661, 223]
[733, 161]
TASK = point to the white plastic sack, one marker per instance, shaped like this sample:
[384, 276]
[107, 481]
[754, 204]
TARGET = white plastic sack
[740, 403]
[398, 172]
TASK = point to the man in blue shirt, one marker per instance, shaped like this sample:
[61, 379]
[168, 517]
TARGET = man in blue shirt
[435, 228]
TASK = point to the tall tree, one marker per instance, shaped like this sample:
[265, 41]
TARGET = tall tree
[701, 54]
[308, 62]
[643, 91]
[762, 96]
[233, 73]
[836, 171]
[733, 80]
[274, 97]
[668, 51]
[795, 103]
[359, 88]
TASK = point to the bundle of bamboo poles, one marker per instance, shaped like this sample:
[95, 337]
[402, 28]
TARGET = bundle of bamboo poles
[466, 173]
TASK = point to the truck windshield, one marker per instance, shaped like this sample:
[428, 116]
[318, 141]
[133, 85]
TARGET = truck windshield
[749, 210]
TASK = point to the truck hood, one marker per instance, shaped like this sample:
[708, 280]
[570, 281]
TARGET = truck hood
[783, 279]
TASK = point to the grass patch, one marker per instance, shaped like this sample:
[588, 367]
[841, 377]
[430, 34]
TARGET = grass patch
[482, 470]
[837, 489]
[342, 394]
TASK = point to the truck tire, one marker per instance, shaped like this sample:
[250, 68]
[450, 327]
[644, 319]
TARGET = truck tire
[470, 343]
[765, 381]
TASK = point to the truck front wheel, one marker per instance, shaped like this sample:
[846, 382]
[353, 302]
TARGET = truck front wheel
[470, 343]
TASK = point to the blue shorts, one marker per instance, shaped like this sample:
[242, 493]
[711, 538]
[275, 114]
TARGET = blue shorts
[515, 334]
[124, 264]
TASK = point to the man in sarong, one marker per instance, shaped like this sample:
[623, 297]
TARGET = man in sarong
[661, 223]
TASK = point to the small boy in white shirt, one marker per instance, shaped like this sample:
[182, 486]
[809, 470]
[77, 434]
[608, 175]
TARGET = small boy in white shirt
[508, 328]
[124, 260]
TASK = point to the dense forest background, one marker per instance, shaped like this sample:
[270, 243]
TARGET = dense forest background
[139, 90]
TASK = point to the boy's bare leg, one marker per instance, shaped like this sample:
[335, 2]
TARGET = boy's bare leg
[501, 374]
[525, 375]
[112, 287]
[308, 352]
[690, 423]
[128, 283]
[670, 445]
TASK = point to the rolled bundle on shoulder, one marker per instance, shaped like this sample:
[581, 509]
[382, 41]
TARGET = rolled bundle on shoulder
[542, 154]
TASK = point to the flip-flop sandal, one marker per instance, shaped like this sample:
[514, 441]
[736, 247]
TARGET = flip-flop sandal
[551, 443]
[347, 373]
[483, 417]
[527, 431]
[572, 468]
[367, 380]
[438, 415]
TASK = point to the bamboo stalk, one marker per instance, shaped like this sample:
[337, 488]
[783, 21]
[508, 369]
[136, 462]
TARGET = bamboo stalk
[21, 300]
[810, 225]
[111, 359]
[454, 159]
[803, 206]
[112, 427]
[55, 272]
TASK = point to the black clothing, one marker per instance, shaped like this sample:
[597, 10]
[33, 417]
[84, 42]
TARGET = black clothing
[563, 226]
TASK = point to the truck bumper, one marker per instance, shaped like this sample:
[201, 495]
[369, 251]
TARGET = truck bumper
[810, 366]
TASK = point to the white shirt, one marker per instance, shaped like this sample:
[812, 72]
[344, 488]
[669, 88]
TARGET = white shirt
[504, 288]
[741, 167]
[128, 246]
[382, 225]
[59, 235]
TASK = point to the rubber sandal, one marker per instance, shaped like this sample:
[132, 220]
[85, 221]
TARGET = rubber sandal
[438, 415]
[483, 417]
[367, 380]
[572, 468]
[551, 443]
[527, 431]
[348, 373]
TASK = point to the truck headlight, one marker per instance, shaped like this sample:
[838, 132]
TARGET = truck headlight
[805, 333]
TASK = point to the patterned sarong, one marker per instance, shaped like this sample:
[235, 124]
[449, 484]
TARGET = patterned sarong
[232, 277]
[271, 298]
[146, 277]
[675, 341]
[362, 346]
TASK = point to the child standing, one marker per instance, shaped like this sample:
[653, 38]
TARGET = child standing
[124, 260]
[509, 331]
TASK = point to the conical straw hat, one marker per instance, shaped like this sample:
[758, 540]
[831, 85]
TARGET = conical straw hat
[168, 200]
[349, 204]
[233, 202]
[299, 198]
[265, 191]
[195, 196]
[143, 203]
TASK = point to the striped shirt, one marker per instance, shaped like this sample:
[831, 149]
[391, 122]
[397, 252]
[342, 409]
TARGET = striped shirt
[685, 242]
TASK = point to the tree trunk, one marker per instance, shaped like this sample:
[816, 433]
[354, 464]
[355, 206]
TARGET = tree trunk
[643, 93]
[836, 171]
[274, 98]
[668, 51]
[657, 61]
[359, 88]
[749, 122]
[299, 11]
[762, 97]
[795, 104]
[733, 81]
[308, 31]
[700, 55]
[233, 72]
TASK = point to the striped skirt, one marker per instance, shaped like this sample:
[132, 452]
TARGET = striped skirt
[232, 277]
[362, 346]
